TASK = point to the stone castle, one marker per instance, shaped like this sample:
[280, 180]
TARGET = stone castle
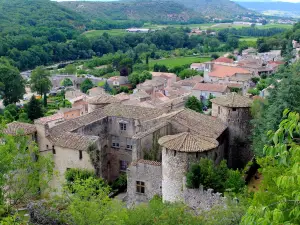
[155, 147]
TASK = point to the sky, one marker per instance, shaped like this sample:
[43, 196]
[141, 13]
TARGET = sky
[294, 1]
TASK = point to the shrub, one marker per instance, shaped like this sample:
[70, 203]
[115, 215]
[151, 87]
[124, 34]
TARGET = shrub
[120, 183]
[211, 176]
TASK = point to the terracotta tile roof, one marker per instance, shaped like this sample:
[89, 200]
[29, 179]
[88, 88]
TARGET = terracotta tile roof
[18, 128]
[210, 87]
[223, 60]
[233, 100]
[197, 64]
[103, 99]
[165, 75]
[227, 71]
[74, 141]
[47, 119]
[187, 142]
[76, 123]
[131, 111]
[201, 124]
[148, 162]
[122, 96]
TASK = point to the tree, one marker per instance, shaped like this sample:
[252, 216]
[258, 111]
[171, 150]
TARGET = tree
[284, 95]
[40, 80]
[160, 68]
[34, 109]
[24, 173]
[277, 200]
[12, 85]
[70, 69]
[194, 104]
[67, 82]
[86, 85]
[106, 87]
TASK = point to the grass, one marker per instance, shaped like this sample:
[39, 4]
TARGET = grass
[179, 61]
[98, 33]
[249, 39]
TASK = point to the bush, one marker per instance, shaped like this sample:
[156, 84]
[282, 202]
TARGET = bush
[211, 176]
[120, 184]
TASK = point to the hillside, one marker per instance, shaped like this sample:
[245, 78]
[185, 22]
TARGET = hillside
[150, 11]
[274, 8]
[25, 15]
[215, 8]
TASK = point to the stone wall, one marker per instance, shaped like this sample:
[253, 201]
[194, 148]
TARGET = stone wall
[202, 200]
[151, 175]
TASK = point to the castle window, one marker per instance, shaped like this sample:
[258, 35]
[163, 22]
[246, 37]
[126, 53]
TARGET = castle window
[129, 143]
[123, 126]
[53, 150]
[140, 187]
[174, 153]
[80, 155]
[233, 109]
[123, 165]
[115, 143]
[197, 155]
[47, 146]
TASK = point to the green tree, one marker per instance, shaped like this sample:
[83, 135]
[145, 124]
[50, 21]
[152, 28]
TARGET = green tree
[40, 80]
[12, 85]
[67, 82]
[106, 87]
[194, 104]
[277, 200]
[86, 85]
[70, 69]
[34, 109]
[24, 173]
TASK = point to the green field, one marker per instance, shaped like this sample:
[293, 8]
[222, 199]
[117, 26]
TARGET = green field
[98, 33]
[249, 39]
[180, 61]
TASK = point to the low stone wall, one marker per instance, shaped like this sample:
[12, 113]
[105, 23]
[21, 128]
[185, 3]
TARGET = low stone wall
[203, 200]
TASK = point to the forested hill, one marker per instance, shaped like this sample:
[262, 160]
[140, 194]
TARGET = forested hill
[156, 11]
[35, 32]
[215, 8]
[25, 16]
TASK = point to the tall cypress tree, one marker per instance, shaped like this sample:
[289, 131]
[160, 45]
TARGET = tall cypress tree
[34, 110]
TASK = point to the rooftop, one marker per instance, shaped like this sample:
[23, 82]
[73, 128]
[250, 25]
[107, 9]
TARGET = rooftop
[223, 60]
[103, 99]
[201, 124]
[131, 111]
[187, 142]
[16, 128]
[210, 87]
[233, 100]
[47, 119]
[227, 71]
[74, 141]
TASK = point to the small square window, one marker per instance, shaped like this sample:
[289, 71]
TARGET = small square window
[233, 109]
[123, 126]
[80, 155]
[140, 187]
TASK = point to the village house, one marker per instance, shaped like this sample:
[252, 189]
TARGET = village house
[197, 66]
[223, 60]
[117, 81]
[170, 78]
[202, 91]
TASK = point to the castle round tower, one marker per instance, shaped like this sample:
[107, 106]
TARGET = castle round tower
[234, 110]
[178, 153]
[100, 101]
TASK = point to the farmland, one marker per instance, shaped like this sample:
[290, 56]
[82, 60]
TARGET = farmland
[180, 61]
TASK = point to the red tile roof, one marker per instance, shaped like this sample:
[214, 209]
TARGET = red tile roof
[210, 87]
[223, 60]
[227, 71]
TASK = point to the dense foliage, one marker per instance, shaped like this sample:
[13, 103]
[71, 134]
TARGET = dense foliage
[277, 200]
[194, 104]
[23, 171]
[219, 178]
[284, 95]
